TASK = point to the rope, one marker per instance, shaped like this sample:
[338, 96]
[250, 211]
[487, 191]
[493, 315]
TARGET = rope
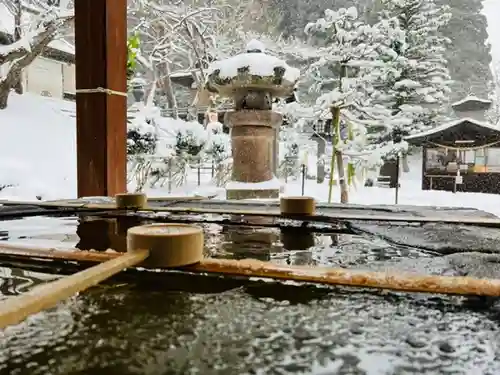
[463, 148]
[101, 90]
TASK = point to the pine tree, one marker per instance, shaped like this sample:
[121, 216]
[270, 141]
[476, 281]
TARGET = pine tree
[351, 50]
[469, 56]
[415, 85]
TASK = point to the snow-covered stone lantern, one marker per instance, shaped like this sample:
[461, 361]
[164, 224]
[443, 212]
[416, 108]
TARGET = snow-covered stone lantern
[252, 79]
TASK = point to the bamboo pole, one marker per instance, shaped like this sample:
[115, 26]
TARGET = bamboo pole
[14, 310]
[320, 275]
[274, 212]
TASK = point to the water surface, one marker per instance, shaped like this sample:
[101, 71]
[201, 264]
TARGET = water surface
[158, 325]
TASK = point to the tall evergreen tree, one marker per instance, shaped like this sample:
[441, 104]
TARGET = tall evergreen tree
[415, 84]
[469, 57]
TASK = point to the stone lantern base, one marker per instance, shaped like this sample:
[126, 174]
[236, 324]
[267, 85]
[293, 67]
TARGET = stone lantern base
[259, 190]
[253, 134]
[252, 194]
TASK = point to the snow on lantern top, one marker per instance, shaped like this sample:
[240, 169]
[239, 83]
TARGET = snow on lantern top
[255, 46]
[253, 70]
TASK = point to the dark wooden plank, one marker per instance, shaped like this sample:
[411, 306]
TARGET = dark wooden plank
[101, 54]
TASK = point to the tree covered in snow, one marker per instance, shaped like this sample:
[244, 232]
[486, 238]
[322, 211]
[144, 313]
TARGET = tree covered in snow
[33, 28]
[469, 53]
[351, 49]
[494, 113]
[294, 14]
[175, 37]
[415, 83]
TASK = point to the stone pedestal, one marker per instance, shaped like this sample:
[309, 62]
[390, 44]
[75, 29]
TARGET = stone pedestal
[253, 134]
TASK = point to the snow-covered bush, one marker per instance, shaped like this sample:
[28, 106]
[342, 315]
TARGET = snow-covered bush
[218, 149]
[289, 153]
[186, 138]
[140, 143]
[141, 130]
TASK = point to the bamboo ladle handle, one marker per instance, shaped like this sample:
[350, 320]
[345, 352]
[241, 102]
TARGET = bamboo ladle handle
[14, 310]
[167, 245]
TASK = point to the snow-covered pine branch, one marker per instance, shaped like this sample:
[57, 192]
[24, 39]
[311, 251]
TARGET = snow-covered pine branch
[415, 85]
[494, 113]
[342, 73]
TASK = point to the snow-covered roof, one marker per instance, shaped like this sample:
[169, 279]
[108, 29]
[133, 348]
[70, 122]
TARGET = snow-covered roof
[471, 98]
[452, 124]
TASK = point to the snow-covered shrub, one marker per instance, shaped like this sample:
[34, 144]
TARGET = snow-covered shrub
[215, 127]
[186, 138]
[218, 149]
[139, 143]
[141, 130]
[218, 145]
[289, 165]
[187, 143]
[288, 152]
[180, 144]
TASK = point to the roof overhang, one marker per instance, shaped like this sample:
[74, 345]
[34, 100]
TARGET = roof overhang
[463, 133]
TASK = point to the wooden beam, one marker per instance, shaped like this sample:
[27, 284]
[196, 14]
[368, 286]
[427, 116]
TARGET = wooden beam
[101, 57]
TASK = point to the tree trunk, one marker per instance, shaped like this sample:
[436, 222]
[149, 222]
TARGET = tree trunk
[337, 155]
[166, 84]
[320, 168]
[4, 96]
[18, 85]
[22, 57]
[344, 192]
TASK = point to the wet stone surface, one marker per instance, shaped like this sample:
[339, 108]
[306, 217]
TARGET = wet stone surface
[441, 238]
[141, 327]
[259, 329]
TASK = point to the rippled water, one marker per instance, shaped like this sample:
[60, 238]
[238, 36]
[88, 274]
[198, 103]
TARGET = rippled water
[146, 326]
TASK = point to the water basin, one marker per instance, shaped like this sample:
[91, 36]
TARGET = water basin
[140, 325]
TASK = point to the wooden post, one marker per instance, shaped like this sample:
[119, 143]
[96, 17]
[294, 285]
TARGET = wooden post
[101, 119]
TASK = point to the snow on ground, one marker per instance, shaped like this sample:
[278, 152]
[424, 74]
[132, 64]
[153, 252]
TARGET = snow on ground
[38, 157]
[37, 148]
